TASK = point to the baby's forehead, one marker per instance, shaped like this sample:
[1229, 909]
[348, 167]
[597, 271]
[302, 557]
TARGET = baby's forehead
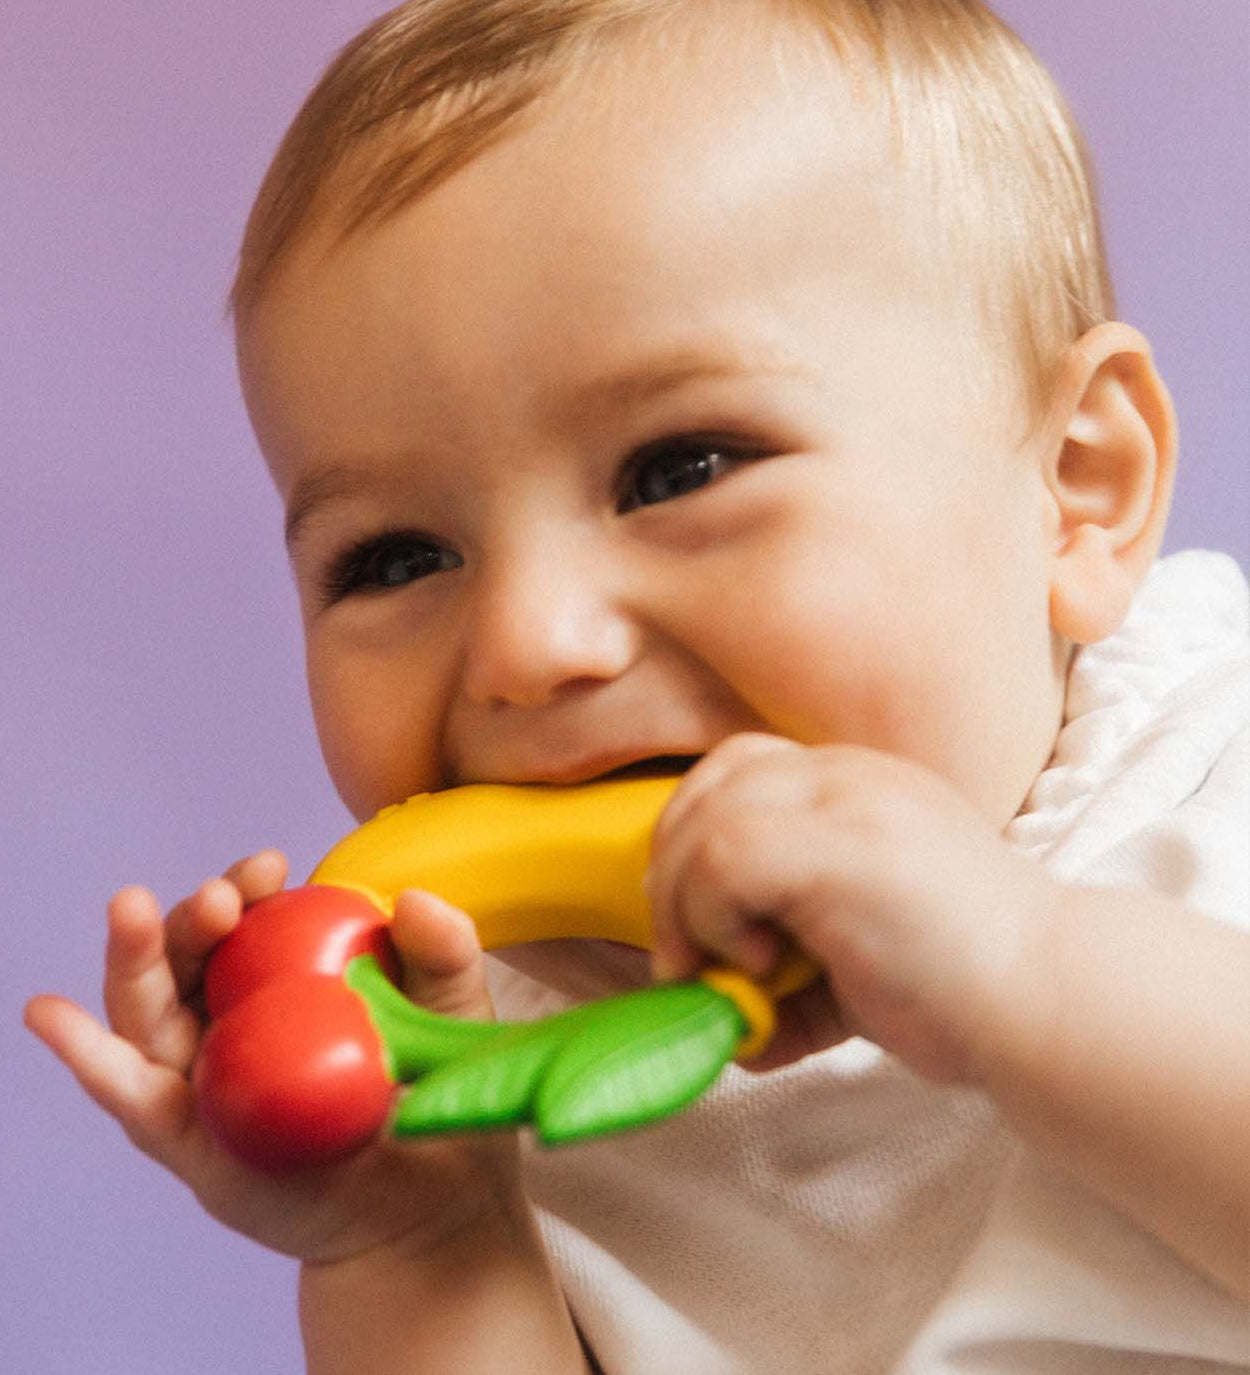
[600, 81]
[711, 129]
[973, 146]
[701, 169]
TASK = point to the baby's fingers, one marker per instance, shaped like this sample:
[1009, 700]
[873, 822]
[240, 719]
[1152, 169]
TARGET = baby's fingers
[197, 924]
[712, 899]
[141, 995]
[442, 958]
[152, 1103]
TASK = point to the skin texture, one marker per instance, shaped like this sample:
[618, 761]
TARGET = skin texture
[692, 454]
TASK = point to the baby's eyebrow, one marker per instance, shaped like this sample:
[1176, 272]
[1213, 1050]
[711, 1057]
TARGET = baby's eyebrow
[672, 370]
[315, 490]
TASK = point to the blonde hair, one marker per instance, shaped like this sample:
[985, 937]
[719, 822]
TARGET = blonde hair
[973, 114]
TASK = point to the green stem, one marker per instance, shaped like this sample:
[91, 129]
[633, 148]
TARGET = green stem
[417, 1040]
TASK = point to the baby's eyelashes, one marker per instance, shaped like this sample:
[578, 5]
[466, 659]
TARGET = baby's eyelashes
[382, 563]
[677, 466]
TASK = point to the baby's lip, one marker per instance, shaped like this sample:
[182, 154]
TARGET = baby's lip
[621, 765]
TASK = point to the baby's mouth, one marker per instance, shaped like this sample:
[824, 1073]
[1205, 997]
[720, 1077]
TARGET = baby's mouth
[656, 766]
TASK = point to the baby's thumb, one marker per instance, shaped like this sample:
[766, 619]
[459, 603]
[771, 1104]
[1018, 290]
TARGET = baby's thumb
[442, 959]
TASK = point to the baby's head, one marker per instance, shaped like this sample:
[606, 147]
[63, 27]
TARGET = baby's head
[637, 372]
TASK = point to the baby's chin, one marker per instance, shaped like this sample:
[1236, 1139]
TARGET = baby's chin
[807, 1023]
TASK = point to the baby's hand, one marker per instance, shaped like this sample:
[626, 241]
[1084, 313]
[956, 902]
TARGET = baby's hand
[139, 1072]
[922, 917]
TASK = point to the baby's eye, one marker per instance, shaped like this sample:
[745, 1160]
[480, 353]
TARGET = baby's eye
[673, 467]
[384, 562]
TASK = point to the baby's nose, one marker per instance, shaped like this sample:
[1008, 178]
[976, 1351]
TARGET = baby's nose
[541, 629]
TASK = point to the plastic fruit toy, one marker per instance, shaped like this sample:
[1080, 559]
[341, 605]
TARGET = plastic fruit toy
[312, 1038]
[313, 930]
[295, 1075]
[526, 862]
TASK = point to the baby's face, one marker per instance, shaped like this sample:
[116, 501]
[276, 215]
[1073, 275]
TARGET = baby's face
[642, 430]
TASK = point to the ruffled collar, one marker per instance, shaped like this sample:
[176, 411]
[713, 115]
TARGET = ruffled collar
[1189, 617]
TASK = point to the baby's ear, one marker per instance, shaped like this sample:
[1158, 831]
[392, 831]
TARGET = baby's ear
[1109, 475]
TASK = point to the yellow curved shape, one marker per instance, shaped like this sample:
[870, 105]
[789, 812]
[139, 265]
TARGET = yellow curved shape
[531, 862]
[753, 1002]
[528, 862]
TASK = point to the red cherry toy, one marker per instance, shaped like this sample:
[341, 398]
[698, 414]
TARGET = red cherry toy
[316, 929]
[294, 1075]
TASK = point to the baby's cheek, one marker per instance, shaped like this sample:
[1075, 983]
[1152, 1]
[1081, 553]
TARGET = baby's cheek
[377, 742]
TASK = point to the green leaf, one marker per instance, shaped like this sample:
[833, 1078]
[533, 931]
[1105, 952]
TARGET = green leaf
[488, 1086]
[486, 1089]
[592, 1069]
[637, 1057]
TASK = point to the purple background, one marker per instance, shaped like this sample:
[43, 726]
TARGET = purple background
[155, 723]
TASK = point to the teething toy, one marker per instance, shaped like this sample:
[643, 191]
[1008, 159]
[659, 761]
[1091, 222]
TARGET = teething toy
[309, 1036]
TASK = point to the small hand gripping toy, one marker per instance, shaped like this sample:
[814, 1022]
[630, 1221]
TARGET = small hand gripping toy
[310, 1038]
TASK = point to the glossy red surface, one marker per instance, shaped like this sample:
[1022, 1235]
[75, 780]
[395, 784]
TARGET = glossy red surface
[316, 929]
[294, 1076]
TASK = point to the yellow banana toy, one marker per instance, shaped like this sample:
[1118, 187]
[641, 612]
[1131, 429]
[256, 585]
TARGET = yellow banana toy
[527, 863]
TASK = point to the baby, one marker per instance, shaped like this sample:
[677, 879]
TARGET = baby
[738, 379]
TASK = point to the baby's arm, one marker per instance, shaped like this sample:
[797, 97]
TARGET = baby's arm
[480, 1299]
[1111, 1027]
[416, 1257]
[1131, 1066]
